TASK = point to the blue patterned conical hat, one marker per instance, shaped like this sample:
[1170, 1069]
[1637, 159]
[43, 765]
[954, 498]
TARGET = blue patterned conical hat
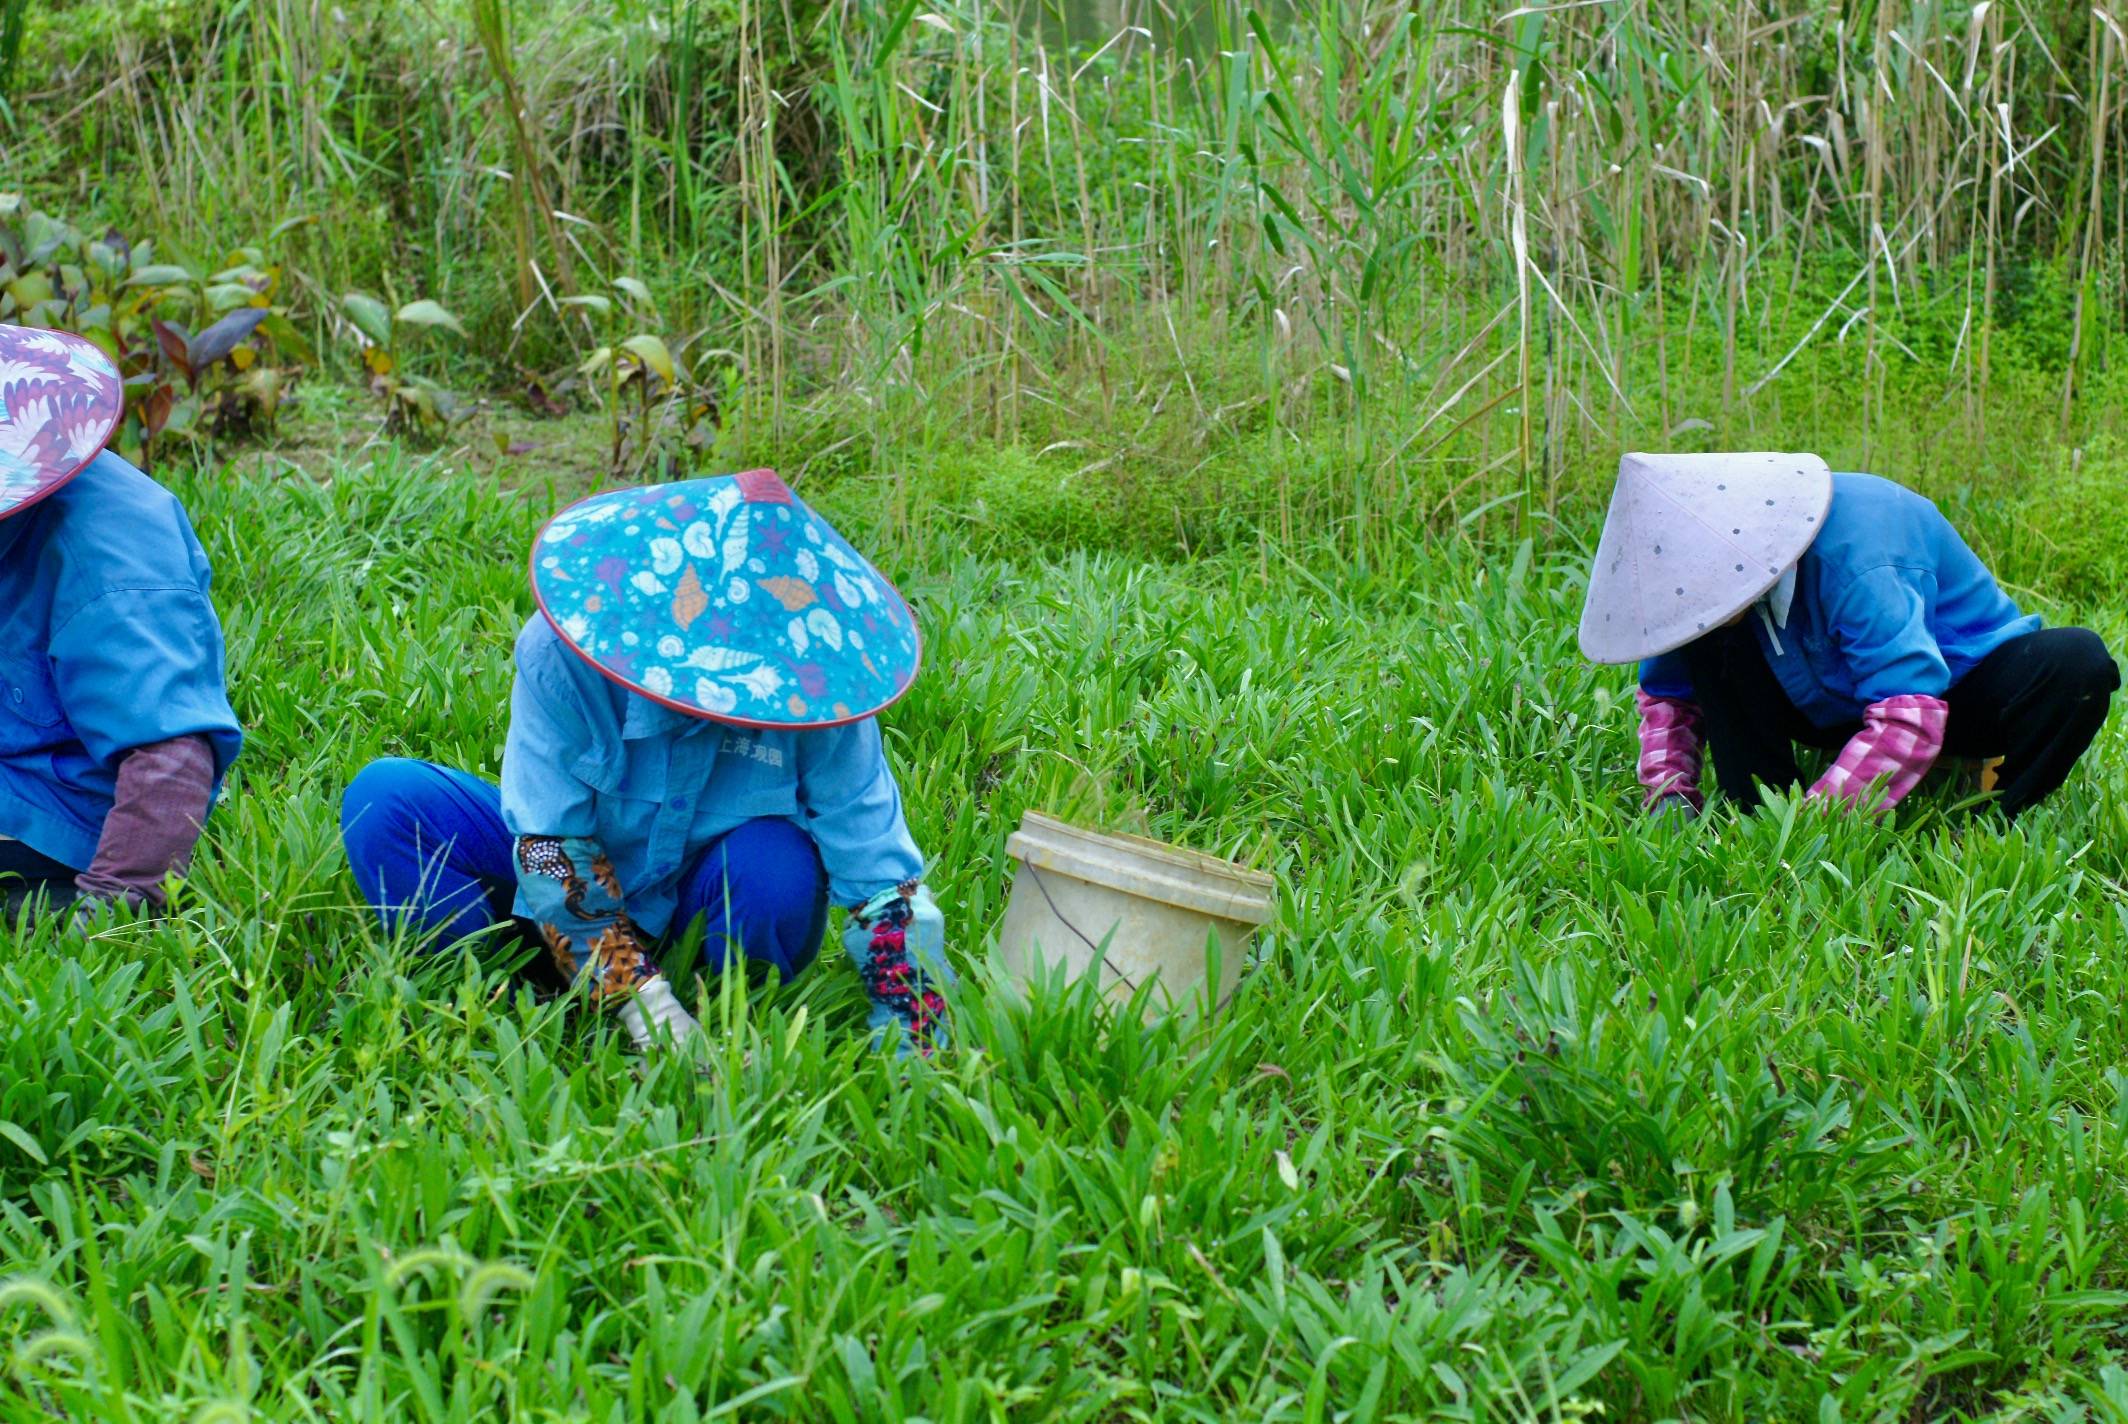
[60, 399]
[726, 598]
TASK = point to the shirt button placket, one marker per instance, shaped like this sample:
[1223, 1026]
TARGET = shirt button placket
[683, 769]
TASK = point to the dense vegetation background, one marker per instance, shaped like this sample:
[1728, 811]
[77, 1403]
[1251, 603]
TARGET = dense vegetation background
[1233, 390]
[1224, 267]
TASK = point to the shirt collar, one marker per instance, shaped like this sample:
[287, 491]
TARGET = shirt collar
[644, 719]
[1773, 606]
[1781, 596]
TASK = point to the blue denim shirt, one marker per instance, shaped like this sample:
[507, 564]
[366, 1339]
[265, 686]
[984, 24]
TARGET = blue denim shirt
[107, 642]
[1889, 602]
[654, 788]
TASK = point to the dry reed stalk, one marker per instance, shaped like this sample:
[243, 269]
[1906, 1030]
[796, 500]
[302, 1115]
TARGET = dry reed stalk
[2104, 35]
[1012, 237]
[1515, 193]
[491, 22]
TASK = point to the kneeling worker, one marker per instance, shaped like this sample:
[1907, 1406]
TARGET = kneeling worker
[115, 725]
[1772, 603]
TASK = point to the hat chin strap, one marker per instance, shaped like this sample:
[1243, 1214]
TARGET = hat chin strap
[1773, 608]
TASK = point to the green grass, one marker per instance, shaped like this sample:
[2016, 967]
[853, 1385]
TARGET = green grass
[1528, 1108]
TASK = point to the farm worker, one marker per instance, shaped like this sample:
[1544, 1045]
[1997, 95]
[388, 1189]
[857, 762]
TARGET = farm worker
[1770, 602]
[693, 736]
[115, 725]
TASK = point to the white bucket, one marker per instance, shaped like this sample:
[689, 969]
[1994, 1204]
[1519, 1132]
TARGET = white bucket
[1133, 910]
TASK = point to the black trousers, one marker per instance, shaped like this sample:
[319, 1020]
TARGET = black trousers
[25, 875]
[2036, 702]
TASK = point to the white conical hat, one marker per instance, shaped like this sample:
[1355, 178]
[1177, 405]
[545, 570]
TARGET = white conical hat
[1693, 540]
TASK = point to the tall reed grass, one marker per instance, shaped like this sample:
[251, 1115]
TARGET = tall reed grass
[1486, 241]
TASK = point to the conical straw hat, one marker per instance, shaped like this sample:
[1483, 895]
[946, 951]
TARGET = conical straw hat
[60, 399]
[1693, 540]
[726, 598]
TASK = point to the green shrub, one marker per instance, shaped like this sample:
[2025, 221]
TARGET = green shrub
[206, 350]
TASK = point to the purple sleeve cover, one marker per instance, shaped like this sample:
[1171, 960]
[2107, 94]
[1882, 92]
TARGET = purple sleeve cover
[164, 790]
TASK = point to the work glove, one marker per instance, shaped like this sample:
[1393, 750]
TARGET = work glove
[1673, 809]
[655, 1017]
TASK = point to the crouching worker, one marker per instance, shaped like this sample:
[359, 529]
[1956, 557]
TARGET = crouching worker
[115, 725]
[693, 736]
[1771, 603]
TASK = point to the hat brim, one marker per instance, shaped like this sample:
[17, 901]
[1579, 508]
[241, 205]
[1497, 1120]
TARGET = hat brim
[91, 373]
[685, 709]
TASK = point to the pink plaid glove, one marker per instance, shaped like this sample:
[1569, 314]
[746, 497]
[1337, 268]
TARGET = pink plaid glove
[1900, 740]
[1669, 748]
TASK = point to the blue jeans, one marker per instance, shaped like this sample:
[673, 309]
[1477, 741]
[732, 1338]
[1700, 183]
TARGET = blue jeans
[433, 858]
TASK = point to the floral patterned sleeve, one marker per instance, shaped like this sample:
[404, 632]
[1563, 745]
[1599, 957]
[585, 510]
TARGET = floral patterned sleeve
[576, 899]
[897, 941]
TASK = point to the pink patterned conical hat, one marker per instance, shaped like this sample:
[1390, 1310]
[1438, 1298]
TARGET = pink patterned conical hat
[60, 399]
[1693, 540]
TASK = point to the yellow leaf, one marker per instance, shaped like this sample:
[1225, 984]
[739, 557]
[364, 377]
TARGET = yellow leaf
[652, 352]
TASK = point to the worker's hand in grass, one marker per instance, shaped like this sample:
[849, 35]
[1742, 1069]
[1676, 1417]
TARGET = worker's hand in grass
[656, 1019]
[85, 915]
[1673, 809]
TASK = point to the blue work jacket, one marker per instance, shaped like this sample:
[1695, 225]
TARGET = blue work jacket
[655, 788]
[1889, 602]
[108, 642]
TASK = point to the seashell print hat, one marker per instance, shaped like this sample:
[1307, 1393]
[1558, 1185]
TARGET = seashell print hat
[1693, 540]
[726, 598]
[60, 399]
